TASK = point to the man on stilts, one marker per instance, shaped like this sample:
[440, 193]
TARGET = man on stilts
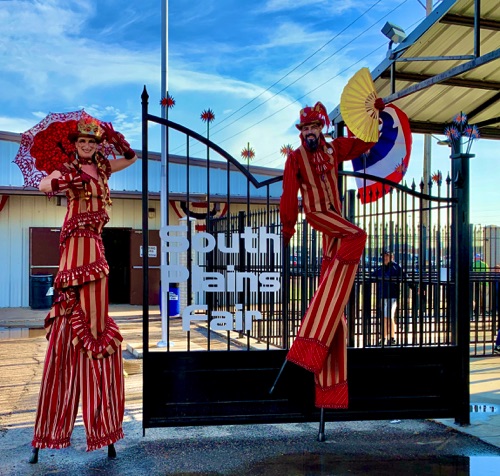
[320, 345]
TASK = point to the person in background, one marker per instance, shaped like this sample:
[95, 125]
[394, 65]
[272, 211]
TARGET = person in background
[479, 266]
[389, 276]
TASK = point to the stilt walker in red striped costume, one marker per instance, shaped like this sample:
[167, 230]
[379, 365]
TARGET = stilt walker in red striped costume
[84, 356]
[320, 345]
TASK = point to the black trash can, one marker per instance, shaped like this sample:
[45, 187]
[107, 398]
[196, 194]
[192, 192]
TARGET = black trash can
[41, 291]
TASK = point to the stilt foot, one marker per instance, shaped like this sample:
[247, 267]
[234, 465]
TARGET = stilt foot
[111, 451]
[34, 456]
[321, 430]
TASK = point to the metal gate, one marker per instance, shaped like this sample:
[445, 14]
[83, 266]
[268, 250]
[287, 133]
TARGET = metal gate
[244, 296]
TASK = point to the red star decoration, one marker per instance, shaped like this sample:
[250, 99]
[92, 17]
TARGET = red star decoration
[437, 177]
[401, 168]
[286, 150]
[167, 101]
[207, 116]
[248, 153]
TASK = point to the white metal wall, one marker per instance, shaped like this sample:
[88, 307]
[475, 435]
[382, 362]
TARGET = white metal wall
[22, 212]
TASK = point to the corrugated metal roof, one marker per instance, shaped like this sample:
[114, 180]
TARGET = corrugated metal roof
[470, 85]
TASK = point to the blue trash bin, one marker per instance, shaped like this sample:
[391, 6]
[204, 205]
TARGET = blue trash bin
[174, 302]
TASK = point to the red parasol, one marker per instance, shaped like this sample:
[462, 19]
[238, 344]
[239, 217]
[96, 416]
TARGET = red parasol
[46, 146]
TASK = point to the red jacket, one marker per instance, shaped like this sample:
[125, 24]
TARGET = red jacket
[316, 175]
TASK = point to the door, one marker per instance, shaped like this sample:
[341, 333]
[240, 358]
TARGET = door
[136, 267]
[44, 250]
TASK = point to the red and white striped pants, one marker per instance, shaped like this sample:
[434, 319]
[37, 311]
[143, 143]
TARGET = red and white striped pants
[69, 372]
[321, 343]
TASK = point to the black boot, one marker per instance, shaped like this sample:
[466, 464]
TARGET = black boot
[111, 451]
[34, 456]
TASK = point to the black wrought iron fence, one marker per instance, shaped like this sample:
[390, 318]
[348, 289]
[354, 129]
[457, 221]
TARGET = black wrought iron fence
[418, 233]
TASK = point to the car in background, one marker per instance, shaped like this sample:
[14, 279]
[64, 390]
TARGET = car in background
[298, 267]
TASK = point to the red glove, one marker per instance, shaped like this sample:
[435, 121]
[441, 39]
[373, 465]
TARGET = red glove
[286, 238]
[73, 180]
[117, 140]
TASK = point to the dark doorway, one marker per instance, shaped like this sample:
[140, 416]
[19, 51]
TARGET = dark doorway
[136, 268]
[117, 248]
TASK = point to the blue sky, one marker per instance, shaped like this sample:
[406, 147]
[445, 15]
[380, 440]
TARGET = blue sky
[255, 64]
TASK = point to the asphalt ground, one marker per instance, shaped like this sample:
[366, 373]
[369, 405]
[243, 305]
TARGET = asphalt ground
[413, 447]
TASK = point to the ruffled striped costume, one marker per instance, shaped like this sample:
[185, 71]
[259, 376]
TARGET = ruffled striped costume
[84, 349]
[320, 345]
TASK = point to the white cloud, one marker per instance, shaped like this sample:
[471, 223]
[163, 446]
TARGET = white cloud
[62, 55]
[15, 124]
[44, 57]
[289, 33]
[321, 6]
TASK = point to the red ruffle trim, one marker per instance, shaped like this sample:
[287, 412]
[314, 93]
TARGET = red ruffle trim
[82, 274]
[68, 306]
[308, 353]
[49, 443]
[336, 396]
[83, 220]
[92, 443]
[96, 443]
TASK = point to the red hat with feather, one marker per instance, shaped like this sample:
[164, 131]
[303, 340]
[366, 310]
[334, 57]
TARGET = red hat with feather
[313, 115]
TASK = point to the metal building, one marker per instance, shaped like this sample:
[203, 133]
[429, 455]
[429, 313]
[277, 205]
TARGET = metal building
[30, 223]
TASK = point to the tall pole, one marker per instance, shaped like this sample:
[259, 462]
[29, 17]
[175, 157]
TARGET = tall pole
[163, 173]
[426, 172]
[459, 130]
[462, 278]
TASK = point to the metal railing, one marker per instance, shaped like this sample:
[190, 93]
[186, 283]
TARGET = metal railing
[417, 231]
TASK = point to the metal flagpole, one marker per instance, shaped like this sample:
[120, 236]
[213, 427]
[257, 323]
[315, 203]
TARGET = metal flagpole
[163, 176]
[426, 172]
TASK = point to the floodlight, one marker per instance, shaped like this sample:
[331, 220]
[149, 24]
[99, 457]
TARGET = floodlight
[439, 141]
[395, 33]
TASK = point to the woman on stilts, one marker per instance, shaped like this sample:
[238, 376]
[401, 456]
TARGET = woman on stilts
[84, 356]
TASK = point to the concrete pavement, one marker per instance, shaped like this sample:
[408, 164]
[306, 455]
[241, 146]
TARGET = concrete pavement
[22, 350]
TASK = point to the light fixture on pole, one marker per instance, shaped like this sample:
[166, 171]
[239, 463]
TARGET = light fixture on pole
[395, 33]
[439, 141]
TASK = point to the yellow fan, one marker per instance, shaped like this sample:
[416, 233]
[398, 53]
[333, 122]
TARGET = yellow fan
[357, 106]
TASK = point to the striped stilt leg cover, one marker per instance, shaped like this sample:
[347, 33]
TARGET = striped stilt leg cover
[320, 345]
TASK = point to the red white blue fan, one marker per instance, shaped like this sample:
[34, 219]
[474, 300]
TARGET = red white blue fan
[388, 158]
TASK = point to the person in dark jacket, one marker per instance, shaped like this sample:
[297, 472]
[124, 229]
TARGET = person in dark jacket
[389, 277]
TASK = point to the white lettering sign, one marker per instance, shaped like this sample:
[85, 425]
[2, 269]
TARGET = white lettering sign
[205, 242]
[152, 252]
[221, 320]
[231, 282]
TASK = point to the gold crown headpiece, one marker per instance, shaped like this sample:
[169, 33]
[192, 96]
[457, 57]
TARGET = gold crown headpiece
[88, 127]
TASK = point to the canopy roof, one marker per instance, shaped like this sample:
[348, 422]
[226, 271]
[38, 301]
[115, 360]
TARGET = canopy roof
[449, 64]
